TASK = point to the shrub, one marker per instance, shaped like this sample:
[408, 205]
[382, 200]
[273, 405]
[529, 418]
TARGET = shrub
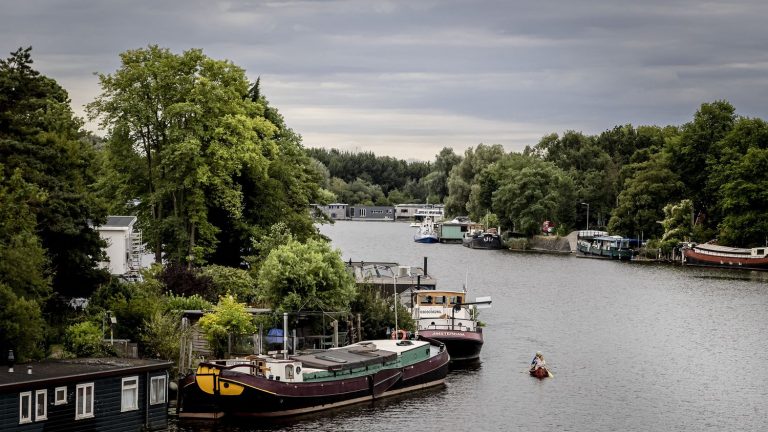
[84, 339]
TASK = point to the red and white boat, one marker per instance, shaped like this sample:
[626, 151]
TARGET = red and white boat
[713, 255]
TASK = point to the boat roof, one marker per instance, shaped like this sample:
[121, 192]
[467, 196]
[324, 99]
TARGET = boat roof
[357, 355]
[39, 373]
[722, 249]
[433, 292]
[610, 238]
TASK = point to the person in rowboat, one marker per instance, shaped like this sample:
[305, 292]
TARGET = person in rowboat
[538, 361]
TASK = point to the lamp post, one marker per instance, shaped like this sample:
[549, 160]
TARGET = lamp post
[587, 204]
[394, 283]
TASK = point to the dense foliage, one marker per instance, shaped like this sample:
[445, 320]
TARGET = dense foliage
[222, 188]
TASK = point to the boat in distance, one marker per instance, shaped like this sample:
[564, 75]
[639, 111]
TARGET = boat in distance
[604, 246]
[427, 232]
[487, 239]
[266, 386]
[713, 255]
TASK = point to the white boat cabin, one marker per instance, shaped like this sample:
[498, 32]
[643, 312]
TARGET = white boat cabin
[441, 310]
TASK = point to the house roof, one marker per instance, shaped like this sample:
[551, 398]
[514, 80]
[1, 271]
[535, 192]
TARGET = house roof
[119, 221]
[62, 371]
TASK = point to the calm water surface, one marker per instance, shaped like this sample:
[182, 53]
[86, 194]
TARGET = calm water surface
[633, 347]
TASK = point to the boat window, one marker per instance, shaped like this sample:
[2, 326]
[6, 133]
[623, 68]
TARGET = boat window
[760, 252]
[288, 371]
[440, 300]
[455, 299]
[426, 300]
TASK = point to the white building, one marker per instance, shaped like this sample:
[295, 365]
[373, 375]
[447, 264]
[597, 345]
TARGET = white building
[124, 246]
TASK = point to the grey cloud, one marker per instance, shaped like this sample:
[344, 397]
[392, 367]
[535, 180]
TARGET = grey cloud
[505, 71]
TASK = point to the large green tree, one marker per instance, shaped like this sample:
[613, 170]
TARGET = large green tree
[24, 284]
[463, 174]
[42, 141]
[529, 191]
[306, 276]
[187, 119]
[652, 185]
[694, 154]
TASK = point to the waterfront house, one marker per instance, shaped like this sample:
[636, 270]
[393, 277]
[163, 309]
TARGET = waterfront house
[124, 246]
[417, 212]
[335, 211]
[456, 230]
[108, 394]
[372, 213]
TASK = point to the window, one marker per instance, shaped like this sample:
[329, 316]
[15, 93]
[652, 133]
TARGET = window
[130, 394]
[25, 407]
[288, 371]
[60, 396]
[84, 401]
[157, 386]
[41, 405]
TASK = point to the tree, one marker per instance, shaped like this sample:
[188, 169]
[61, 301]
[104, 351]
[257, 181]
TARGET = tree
[231, 281]
[531, 191]
[693, 155]
[190, 122]
[652, 186]
[307, 276]
[463, 175]
[744, 202]
[42, 141]
[229, 318]
[677, 224]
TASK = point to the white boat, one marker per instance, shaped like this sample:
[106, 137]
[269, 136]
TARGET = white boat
[446, 316]
[427, 232]
[434, 213]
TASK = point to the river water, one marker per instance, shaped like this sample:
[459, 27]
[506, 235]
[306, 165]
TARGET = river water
[633, 347]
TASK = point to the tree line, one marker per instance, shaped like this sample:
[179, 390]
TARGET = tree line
[698, 181]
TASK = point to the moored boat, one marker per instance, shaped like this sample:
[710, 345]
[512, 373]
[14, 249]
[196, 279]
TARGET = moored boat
[264, 386]
[605, 246]
[427, 232]
[446, 316]
[488, 239]
[713, 255]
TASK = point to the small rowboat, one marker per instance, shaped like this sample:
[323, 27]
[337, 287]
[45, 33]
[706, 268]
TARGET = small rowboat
[540, 373]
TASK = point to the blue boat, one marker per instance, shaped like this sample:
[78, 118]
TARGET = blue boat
[427, 232]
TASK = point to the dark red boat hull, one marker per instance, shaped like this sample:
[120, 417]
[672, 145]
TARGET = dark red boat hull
[540, 373]
[463, 346]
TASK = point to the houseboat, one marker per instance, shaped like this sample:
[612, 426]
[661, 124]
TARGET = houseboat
[483, 239]
[267, 386]
[713, 255]
[435, 213]
[446, 316]
[605, 246]
[455, 230]
[108, 394]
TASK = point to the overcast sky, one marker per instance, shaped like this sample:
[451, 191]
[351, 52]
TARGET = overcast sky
[407, 78]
